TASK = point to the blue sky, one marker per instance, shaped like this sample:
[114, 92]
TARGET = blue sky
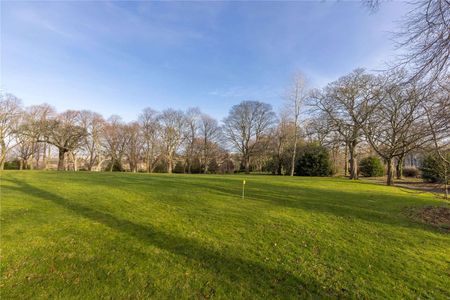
[119, 57]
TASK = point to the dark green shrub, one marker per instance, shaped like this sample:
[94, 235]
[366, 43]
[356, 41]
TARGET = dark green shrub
[213, 166]
[117, 166]
[433, 170]
[371, 167]
[314, 161]
[196, 167]
[179, 167]
[161, 167]
[410, 172]
[12, 165]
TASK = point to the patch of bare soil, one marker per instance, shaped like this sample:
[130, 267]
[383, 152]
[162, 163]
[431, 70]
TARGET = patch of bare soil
[412, 184]
[437, 216]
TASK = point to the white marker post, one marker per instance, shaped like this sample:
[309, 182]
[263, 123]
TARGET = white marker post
[243, 189]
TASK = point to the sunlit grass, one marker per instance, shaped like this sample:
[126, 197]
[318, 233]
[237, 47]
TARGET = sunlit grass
[121, 235]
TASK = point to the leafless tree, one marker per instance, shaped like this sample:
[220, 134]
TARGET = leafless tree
[281, 144]
[295, 98]
[438, 121]
[38, 117]
[192, 123]
[397, 125]
[151, 130]
[65, 133]
[347, 104]
[209, 133]
[10, 111]
[93, 124]
[173, 131]
[426, 38]
[133, 148]
[246, 125]
[114, 140]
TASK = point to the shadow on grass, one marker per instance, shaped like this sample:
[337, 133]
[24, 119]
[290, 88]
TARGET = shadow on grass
[260, 279]
[367, 206]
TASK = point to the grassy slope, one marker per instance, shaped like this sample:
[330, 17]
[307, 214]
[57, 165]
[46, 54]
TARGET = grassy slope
[85, 235]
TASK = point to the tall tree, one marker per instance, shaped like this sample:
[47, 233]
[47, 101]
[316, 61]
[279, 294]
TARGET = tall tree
[115, 140]
[397, 125]
[246, 125]
[65, 133]
[296, 96]
[173, 132]
[209, 134]
[426, 39]
[151, 130]
[134, 145]
[10, 111]
[438, 123]
[93, 124]
[192, 119]
[348, 103]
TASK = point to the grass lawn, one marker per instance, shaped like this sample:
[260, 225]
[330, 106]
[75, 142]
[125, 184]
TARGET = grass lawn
[134, 236]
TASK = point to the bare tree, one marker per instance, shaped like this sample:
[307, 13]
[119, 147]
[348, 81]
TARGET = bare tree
[10, 110]
[281, 144]
[173, 123]
[114, 140]
[209, 133]
[65, 133]
[348, 103]
[134, 145]
[38, 117]
[438, 121]
[245, 126]
[93, 124]
[295, 98]
[426, 38]
[192, 119]
[151, 129]
[397, 125]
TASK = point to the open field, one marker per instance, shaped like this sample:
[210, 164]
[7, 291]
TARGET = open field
[121, 235]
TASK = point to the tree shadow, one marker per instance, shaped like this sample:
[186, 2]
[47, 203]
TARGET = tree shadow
[261, 280]
[342, 204]
[325, 201]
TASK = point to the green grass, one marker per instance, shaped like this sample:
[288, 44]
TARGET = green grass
[135, 236]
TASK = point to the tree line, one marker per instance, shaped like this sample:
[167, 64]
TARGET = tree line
[399, 111]
[387, 113]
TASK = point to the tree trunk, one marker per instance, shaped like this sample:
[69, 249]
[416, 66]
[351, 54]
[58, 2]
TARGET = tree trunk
[390, 172]
[61, 161]
[169, 165]
[399, 167]
[353, 163]
[46, 155]
[111, 167]
[75, 163]
[346, 161]
[446, 180]
[279, 167]
[247, 165]
[294, 152]
[3, 156]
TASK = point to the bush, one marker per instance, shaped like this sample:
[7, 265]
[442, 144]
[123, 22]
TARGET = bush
[371, 167]
[314, 161]
[433, 170]
[410, 172]
[12, 165]
[179, 168]
[117, 166]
